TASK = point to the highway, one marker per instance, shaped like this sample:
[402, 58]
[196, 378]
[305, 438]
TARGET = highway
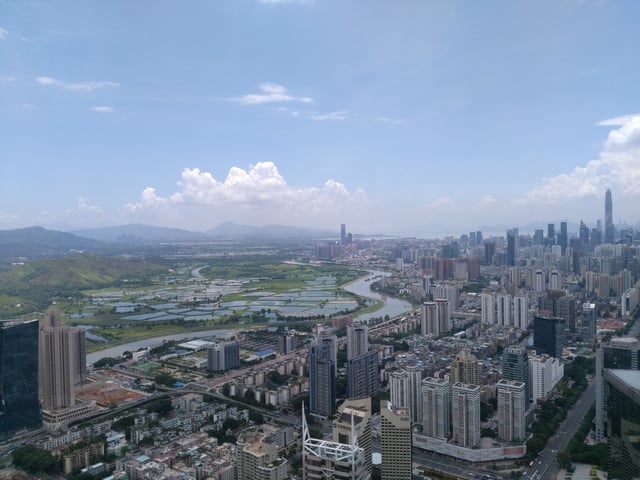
[545, 464]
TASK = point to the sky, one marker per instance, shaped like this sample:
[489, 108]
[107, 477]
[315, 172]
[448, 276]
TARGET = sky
[399, 117]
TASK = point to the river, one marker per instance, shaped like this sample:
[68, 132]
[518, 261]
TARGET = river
[392, 307]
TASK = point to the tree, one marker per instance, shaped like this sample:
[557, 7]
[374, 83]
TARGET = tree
[34, 459]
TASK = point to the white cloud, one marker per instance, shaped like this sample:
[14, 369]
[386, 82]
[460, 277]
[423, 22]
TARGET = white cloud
[80, 86]
[84, 206]
[618, 168]
[270, 93]
[260, 192]
[102, 109]
[617, 121]
[3, 33]
[487, 200]
[340, 115]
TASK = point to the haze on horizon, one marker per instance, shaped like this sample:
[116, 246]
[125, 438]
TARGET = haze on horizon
[418, 118]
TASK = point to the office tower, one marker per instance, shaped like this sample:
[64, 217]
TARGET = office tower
[363, 379]
[436, 408]
[223, 356]
[609, 233]
[257, 457]
[504, 310]
[20, 407]
[465, 368]
[623, 424]
[286, 343]
[585, 240]
[405, 388]
[511, 247]
[548, 335]
[395, 442]
[473, 239]
[331, 342]
[619, 354]
[515, 366]
[512, 408]
[322, 379]
[544, 372]
[465, 414]
[444, 315]
[352, 425]
[563, 237]
[357, 340]
[588, 323]
[521, 312]
[488, 308]
[489, 252]
[538, 237]
[60, 352]
[551, 234]
[323, 460]
[429, 319]
[479, 237]
[343, 234]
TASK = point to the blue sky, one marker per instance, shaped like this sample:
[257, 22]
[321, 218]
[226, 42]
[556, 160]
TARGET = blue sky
[399, 117]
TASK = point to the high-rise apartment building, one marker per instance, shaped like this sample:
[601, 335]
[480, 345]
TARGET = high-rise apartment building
[352, 425]
[62, 361]
[357, 340]
[515, 367]
[405, 388]
[286, 343]
[363, 379]
[609, 231]
[465, 414]
[257, 458]
[436, 408]
[521, 312]
[223, 356]
[544, 372]
[587, 328]
[20, 407]
[488, 308]
[504, 310]
[322, 379]
[429, 319]
[512, 408]
[444, 314]
[395, 442]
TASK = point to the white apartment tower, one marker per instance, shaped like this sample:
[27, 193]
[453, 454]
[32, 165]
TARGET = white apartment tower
[465, 414]
[436, 408]
[504, 310]
[512, 407]
[488, 309]
[357, 340]
[429, 319]
[521, 312]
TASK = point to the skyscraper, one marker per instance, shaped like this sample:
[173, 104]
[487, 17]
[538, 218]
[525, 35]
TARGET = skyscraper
[515, 367]
[322, 380]
[363, 379]
[465, 414]
[548, 335]
[488, 308]
[464, 368]
[19, 407]
[352, 425]
[512, 407]
[357, 340]
[511, 247]
[223, 356]
[521, 312]
[609, 233]
[395, 442]
[343, 234]
[405, 388]
[62, 361]
[429, 319]
[436, 407]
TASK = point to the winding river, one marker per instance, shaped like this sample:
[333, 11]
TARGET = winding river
[392, 307]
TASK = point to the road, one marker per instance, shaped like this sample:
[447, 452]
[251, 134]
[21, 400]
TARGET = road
[545, 464]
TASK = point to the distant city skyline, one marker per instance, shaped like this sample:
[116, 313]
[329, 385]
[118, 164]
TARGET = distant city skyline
[316, 113]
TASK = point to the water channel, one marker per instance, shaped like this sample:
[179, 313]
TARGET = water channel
[392, 307]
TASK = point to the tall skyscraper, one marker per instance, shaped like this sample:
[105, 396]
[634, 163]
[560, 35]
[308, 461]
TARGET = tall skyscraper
[512, 407]
[623, 424]
[465, 369]
[363, 379]
[488, 308]
[395, 442]
[322, 380]
[545, 372]
[444, 315]
[352, 425]
[465, 414]
[511, 247]
[429, 319]
[19, 407]
[587, 328]
[521, 312]
[548, 335]
[357, 340]
[61, 353]
[343, 234]
[436, 408]
[515, 367]
[609, 232]
[405, 388]
[504, 310]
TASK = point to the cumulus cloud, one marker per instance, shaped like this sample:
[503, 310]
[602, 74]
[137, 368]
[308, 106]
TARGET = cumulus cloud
[617, 121]
[487, 200]
[618, 168]
[3, 33]
[260, 189]
[84, 206]
[102, 109]
[87, 86]
[270, 93]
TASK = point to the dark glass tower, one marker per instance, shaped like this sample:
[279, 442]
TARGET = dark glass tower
[515, 366]
[322, 380]
[548, 335]
[609, 236]
[19, 404]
